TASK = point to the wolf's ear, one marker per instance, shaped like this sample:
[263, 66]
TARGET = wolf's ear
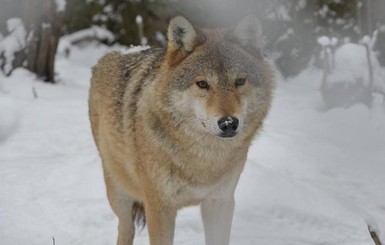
[248, 34]
[183, 37]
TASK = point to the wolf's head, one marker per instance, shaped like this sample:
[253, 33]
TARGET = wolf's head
[218, 80]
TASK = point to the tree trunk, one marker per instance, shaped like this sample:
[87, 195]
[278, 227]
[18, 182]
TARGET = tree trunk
[371, 79]
[369, 13]
[44, 38]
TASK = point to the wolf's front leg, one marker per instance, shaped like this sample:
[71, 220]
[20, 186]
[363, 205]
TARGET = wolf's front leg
[217, 216]
[217, 212]
[160, 221]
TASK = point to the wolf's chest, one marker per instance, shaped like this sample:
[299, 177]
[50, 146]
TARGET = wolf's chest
[190, 195]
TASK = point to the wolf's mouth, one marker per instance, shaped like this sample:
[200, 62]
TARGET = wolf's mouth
[227, 135]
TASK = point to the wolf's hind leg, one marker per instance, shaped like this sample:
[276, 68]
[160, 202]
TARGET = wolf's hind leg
[122, 204]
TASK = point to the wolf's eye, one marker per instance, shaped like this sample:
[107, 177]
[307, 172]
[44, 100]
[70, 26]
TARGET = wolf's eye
[240, 82]
[203, 84]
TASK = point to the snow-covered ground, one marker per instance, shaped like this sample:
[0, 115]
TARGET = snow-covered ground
[312, 177]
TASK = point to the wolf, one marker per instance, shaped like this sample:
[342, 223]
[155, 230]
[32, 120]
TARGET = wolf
[173, 125]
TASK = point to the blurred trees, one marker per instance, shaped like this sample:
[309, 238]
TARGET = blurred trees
[291, 34]
[291, 26]
[42, 21]
[119, 17]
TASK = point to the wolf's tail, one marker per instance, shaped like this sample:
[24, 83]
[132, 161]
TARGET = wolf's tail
[138, 215]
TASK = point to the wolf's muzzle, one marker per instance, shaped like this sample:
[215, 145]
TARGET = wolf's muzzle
[229, 126]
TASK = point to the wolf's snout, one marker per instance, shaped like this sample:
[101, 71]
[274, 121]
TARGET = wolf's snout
[229, 126]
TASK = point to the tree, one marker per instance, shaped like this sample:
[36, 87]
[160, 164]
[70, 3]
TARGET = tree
[119, 17]
[43, 21]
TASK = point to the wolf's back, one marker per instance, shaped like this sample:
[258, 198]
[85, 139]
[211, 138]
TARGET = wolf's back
[117, 82]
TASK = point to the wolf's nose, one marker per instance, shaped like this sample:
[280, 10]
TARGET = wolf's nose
[228, 125]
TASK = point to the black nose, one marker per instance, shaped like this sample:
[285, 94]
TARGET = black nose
[228, 125]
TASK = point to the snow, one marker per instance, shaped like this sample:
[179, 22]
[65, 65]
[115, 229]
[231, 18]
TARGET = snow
[46, 25]
[144, 41]
[340, 21]
[13, 42]
[323, 11]
[351, 65]
[301, 5]
[108, 9]
[139, 20]
[333, 41]
[323, 41]
[60, 5]
[160, 38]
[92, 33]
[366, 40]
[312, 177]
[133, 49]
[100, 17]
[280, 13]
